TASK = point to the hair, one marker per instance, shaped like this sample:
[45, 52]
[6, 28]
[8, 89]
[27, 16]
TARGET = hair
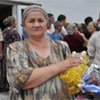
[8, 21]
[93, 24]
[70, 29]
[61, 17]
[57, 24]
[88, 20]
[50, 15]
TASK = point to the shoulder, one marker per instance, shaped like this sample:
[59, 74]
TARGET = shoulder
[63, 43]
[20, 45]
[60, 43]
[95, 36]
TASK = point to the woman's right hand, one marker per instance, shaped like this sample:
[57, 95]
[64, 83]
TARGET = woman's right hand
[73, 61]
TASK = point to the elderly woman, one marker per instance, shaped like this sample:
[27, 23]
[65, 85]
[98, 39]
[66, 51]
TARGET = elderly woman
[9, 36]
[34, 65]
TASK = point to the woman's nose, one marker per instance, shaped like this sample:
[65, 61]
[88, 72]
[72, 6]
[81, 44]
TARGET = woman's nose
[36, 24]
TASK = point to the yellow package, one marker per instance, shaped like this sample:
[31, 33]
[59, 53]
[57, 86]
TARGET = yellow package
[73, 76]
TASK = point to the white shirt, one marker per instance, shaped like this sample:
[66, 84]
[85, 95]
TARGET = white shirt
[64, 31]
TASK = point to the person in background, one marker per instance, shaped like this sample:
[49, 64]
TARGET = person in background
[34, 65]
[75, 39]
[62, 18]
[80, 28]
[50, 25]
[98, 23]
[93, 49]
[93, 44]
[56, 34]
[9, 35]
[25, 36]
[87, 20]
[52, 20]
[48, 32]
[1, 40]
[1, 64]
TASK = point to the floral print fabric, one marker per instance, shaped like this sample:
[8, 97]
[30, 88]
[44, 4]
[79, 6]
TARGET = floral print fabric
[22, 59]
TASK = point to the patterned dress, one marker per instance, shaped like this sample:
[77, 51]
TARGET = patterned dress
[22, 59]
[9, 36]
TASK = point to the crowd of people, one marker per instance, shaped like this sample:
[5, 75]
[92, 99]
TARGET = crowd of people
[30, 65]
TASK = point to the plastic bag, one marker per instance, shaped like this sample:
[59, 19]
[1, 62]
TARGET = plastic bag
[91, 80]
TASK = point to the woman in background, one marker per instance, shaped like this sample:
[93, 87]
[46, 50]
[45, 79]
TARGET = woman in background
[10, 35]
[93, 49]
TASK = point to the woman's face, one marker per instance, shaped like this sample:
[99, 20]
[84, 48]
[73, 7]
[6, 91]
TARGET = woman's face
[14, 24]
[91, 28]
[35, 24]
[60, 28]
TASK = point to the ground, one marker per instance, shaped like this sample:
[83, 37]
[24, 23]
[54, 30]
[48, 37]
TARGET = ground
[4, 96]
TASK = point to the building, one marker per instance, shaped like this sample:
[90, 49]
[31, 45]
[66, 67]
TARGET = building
[14, 8]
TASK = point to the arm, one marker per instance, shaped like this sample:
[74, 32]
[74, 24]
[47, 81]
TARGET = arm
[43, 74]
[21, 76]
[84, 38]
[91, 48]
[52, 70]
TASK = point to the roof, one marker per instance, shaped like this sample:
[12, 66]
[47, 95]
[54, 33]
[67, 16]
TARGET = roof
[27, 2]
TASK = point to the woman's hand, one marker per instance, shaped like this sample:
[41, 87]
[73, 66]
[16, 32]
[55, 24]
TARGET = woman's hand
[70, 62]
[74, 61]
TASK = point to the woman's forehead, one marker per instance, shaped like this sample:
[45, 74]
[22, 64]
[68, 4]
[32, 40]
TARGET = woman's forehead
[35, 14]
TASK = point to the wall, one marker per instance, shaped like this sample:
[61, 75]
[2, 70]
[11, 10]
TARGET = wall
[75, 10]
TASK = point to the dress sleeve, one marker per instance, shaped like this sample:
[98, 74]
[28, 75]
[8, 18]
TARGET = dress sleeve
[91, 48]
[18, 71]
[65, 49]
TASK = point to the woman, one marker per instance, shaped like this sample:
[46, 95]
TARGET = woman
[34, 65]
[93, 49]
[93, 43]
[10, 35]
[75, 39]
[92, 27]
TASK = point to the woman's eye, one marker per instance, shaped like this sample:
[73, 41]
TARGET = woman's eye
[31, 21]
[40, 20]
